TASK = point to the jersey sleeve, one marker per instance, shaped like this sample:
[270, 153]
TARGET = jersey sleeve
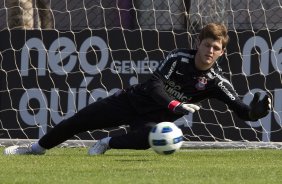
[156, 84]
[227, 94]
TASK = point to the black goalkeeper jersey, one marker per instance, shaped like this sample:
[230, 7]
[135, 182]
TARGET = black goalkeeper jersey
[142, 105]
[177, 79]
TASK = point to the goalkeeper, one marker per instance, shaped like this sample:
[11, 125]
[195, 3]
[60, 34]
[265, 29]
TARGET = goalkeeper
[182, 80]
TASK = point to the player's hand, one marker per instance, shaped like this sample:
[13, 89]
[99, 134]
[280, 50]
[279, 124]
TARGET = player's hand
[184, 108]
[259, 107]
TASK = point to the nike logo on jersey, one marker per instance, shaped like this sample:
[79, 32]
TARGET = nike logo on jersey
[178, 73]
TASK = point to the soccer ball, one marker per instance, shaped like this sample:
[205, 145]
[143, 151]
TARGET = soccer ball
[165, 138]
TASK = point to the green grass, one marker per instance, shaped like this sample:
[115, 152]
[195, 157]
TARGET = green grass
[73, 165]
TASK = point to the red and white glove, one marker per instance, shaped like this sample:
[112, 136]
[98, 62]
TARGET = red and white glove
[182, 108]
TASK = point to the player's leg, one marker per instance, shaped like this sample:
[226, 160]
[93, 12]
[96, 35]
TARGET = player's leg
[136, 138]
[108, 112]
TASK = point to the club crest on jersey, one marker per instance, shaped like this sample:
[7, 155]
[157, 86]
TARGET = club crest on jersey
[202, 82]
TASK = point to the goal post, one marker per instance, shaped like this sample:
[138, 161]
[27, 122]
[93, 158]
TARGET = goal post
[56, 57]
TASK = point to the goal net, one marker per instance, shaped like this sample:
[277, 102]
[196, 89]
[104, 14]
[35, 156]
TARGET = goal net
[59, 56]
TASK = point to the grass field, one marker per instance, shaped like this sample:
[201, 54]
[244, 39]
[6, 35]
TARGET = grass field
[73, 165]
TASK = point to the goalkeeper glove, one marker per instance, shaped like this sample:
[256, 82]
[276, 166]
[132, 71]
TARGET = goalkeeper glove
[259, 107]
[182, 108]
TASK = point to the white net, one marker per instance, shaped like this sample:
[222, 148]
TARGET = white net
[58, 56]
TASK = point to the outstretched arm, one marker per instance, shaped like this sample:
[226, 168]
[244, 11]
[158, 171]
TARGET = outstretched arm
[257, 109]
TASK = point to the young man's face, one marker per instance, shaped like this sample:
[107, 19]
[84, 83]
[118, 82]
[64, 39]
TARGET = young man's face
[209, 50]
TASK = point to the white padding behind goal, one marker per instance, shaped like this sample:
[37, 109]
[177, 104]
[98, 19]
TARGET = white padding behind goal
[186, 144]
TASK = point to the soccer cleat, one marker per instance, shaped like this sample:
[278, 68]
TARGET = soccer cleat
[21, 150]
[98, 148]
